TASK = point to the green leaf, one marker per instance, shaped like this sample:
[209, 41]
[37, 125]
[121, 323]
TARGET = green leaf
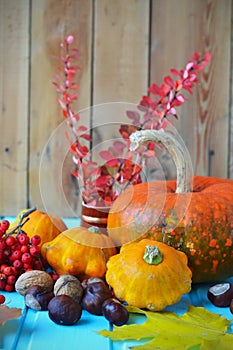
[197, 329]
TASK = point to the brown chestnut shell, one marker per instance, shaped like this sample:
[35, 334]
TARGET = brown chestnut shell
[64, 310]
[115, 312]
[37, 298]
[93, 297]
[221, 294]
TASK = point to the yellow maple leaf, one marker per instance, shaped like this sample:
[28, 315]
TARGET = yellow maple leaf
[197, 329]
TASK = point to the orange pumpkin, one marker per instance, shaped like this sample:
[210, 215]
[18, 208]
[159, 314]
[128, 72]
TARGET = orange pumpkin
[80, 252]
[192, 215]
[44, 225]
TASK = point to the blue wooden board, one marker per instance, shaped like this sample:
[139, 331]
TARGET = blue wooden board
[35, 331]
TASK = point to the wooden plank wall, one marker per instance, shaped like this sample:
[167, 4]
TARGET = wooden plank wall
[124, 46]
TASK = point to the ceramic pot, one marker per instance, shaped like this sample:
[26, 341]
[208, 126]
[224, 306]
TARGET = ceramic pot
[94, 216]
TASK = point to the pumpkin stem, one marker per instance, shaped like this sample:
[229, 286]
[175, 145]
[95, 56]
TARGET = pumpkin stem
[152, 255]
[94, 229]
[178, 152]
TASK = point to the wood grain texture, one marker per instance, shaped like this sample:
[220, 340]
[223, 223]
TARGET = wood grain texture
[51, 184]
[14, 68]
[230, 130]
[121, 46]
[177, 32]
[120, 65]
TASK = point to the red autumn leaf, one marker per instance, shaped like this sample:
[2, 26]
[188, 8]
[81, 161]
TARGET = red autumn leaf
[114, 163]
[146, 101]
[168, 80]
[89, 170]
[102, 181]
[126, 131]
[81, 128]
[195, 57]
[180, 98]
[175, 72]
[154, 89]
[106, 155]
[119, 146]
[134, 116]
[61, 103]
[207, 57]
[65, 114]
[86, 137]
[55, 84]
[73, 86]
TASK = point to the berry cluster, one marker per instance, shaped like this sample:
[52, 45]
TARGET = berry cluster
[18, 254]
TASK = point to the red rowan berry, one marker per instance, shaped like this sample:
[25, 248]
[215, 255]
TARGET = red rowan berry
[10, 241]
[2, 281]
[11, 279]
[35, 240]
[2, 268]
[37, 265]
[26, 258]
[23, 239]
[5, 225]
[9, 287]
[18, 264]
[27, 266]
[2, 243]
[16, 254]
[35, 250]
[2, 299]
[24, 248]
[8, 270]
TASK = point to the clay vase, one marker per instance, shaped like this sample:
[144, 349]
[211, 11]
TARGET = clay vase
[95, 216]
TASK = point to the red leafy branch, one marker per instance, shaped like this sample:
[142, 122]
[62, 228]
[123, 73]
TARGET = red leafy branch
[168, 96]
[101, 185]
[164, 99]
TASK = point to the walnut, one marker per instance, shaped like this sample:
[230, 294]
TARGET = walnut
[31, 278]
[69, 285]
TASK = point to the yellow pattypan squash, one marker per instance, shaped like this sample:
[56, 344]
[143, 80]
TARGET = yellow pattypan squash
[80, 252]
[149, 274]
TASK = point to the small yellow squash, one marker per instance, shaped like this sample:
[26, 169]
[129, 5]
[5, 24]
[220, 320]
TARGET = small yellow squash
[149, 274]
[80, 252]
[45, 225]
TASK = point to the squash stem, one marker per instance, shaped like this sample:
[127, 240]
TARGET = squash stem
[94, 229]
[152, 255]
[177, 151]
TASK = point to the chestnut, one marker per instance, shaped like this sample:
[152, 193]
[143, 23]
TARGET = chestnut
[231, 306]
[64, 310]
[91, 280]
[115, 312]
[221, 294]
[93, 297]
[37, 298]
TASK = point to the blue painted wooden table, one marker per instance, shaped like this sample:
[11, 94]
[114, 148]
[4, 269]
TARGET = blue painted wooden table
[35, 331]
